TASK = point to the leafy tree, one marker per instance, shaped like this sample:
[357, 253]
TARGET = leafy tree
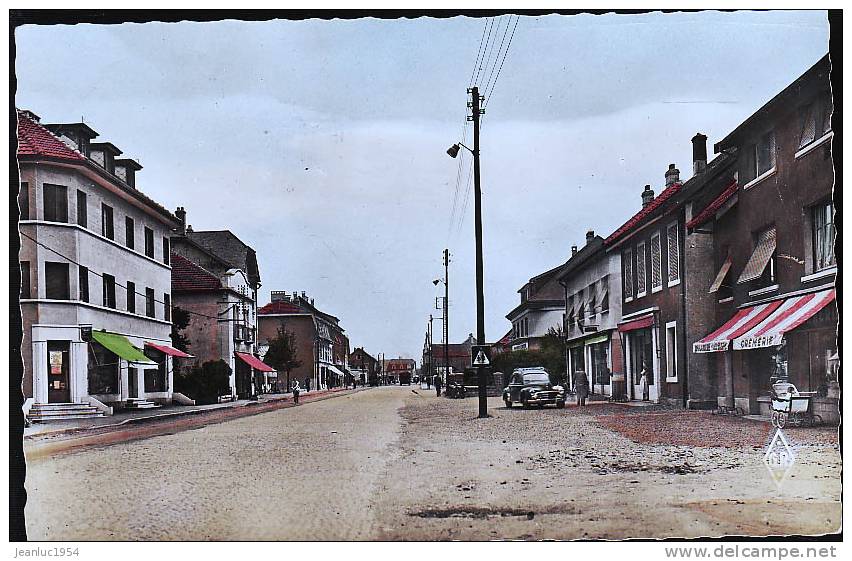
[282, 353]
[551, 356]
[180, 321]
[206, 383]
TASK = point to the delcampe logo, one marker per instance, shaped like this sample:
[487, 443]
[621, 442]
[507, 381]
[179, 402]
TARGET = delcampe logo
[779, 458]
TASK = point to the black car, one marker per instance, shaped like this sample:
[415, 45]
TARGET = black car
[531, 386]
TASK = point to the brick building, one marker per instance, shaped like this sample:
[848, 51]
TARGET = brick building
[399, 370]
[363, 366]
[459, 356]
[321, 343]
[772, 237]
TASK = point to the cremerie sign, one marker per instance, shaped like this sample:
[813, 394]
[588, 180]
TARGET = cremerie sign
[711, 346]
[760, 341]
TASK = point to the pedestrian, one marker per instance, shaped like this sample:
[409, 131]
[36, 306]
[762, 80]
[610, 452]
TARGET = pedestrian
[438, 385]
[581, 386]
[307, 384]
[643, 381]
[296, 392]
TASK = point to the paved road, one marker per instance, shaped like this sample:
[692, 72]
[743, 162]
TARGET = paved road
[395, 464]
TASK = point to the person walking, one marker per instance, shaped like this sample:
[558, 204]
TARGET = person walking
[438, 385]
[581, 386]
[296, 390]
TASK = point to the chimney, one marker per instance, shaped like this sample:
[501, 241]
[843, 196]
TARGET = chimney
[189, 229]
[278, 296]
[699, 153]
[672, 175]
[590, 235]
[573, 250]
[647, 196]
[180, 212]
[304, 296]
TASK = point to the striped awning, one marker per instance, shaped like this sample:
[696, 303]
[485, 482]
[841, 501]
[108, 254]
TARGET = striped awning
[760, 257]
[792, 313]
[743, 321]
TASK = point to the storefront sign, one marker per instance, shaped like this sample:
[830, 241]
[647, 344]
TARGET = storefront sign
[711, 346]
[760, 341]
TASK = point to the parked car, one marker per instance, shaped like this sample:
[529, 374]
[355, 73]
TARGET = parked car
[531, 386]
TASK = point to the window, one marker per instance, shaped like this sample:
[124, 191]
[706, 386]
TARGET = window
[24, 201]
[131, 297]
[599, 355]
[641, 289]
[149, 302]
[166, 250]
[56, 281]
[823, 236]
[129, 232]
[760, 157]
[25, 279]
[149, 242]
[671, 351]
[167, 300]
[815, 120]
[107, 227]
[673, 255]
[761, 264]
[592, 298]
[656, 264]
[82, 209]
[55, 203]
[581, 313]
[83, 283]
[627, 269]
[103, 370]
[605, 294]
[109, 291]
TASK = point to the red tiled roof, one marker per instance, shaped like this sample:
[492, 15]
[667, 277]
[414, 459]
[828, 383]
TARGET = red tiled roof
[280, 307]
[186, 275]
[637, 219]
[711, 209]
[35, 140]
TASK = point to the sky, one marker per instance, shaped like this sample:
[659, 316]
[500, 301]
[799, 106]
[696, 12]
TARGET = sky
[322, 143]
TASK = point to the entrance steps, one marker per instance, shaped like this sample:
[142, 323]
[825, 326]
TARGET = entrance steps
[43, 412]
[136, 403]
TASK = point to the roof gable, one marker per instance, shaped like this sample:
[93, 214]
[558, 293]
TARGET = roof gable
[187, 276]
[637, 219]
[35, 140]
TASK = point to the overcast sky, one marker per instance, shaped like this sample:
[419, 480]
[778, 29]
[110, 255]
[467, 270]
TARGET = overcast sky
[322, 143]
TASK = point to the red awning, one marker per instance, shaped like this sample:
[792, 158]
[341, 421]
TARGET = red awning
[171, 351]
[638, 323]
[743, 321]
[255, 362]
[788, 316]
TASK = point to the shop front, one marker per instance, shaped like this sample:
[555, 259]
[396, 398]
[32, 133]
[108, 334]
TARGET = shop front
[641, 360]
[790, 339]
[592, 356]
[252, 374]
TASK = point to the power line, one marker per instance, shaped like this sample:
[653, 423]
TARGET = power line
[491, 93]
[499, 50]
[101, 275]
[491, 27]
[478, 51]
[491, 50]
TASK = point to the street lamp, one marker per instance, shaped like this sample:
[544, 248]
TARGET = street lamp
[453, 151]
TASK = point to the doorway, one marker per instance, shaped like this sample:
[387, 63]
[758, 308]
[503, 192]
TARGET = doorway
[641, 355]
[58, 364]
[132, 383]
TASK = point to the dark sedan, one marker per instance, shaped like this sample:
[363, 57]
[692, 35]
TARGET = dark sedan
[531, 386]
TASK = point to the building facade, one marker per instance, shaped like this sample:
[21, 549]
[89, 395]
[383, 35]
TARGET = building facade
[95, 270]
[591, 281]
[400, 370]
[363, 366]
[774, 268]
[541, 308]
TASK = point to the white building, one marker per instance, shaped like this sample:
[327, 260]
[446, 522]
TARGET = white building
[95, 272]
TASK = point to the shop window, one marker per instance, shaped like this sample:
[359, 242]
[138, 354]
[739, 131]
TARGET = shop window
[671, 351]
[25, 279]
[129, 232]
[155, 379]
[149, 302]
[131, 297]
[107, 225]
[55, 203]
[83, 282]
[103, 370]
[149, 242]
[627, 271]
[823, 236]
[56, 285]
[599, 353]
[109, 291]
[641, 288]
[82, 209]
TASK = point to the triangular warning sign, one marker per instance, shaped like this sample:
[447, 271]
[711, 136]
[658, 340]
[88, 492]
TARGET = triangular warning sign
[481, 359]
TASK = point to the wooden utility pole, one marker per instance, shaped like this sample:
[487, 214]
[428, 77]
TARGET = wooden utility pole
[447, 315]
[482, 371]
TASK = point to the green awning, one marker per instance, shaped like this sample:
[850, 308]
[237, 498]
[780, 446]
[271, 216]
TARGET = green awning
[120, 345]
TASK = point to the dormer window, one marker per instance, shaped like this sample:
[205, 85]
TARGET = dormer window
[815, 120]
[759, 157]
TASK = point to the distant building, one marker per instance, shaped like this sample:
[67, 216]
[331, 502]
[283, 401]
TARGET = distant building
[320, 340]
[542, 307]
[215, 277]
[399, 370]
[459, 357]
[363, 366]
[96, 275]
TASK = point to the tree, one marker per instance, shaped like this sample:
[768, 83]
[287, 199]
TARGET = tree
[551, 356]
[180, 321]
[282, 353]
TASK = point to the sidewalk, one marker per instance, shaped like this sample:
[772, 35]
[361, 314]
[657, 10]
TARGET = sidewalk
[128, 417]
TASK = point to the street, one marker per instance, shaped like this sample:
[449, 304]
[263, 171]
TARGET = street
[397, 463]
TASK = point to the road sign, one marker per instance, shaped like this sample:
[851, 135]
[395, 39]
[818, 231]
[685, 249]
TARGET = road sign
[479, 355]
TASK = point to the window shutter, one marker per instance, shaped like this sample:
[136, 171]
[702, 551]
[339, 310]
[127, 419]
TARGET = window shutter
[640, 270]
[674, 254]
[627, 267]
[656, 263]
